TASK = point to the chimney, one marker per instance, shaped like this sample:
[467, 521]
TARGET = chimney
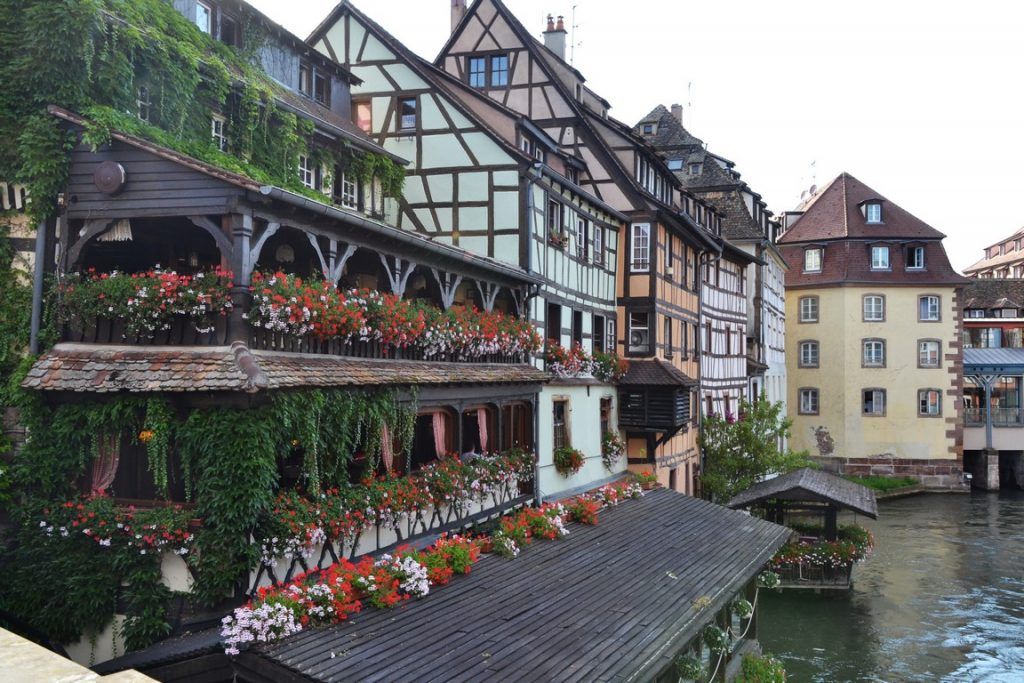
[554, 37]
[458, 11]
[677, 112]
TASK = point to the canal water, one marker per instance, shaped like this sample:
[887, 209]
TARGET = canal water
[940, 599]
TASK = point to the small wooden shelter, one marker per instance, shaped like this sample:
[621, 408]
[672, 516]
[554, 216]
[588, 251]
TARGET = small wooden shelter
[812, 490]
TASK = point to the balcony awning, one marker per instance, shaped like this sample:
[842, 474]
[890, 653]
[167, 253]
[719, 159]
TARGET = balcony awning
[110, 368]
[1000, 361]
[810, 485]
[655, 372]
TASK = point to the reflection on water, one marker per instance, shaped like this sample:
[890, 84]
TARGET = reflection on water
[941, 599]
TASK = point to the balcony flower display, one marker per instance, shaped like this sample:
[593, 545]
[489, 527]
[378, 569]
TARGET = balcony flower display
[139, 531]
[146, 302]
[853, 544]
[612, 449]
[575, 362]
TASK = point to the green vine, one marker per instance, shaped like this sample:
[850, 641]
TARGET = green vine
[157, 429]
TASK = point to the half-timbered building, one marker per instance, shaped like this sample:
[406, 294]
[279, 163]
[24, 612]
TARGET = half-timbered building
[485, 178]
[662, 249]
[746, 226]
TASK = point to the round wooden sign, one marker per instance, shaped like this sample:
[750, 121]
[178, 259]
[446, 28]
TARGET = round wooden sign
[109, 177]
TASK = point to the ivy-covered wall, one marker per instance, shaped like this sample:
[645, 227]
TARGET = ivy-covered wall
[229, 457]
[92, 56]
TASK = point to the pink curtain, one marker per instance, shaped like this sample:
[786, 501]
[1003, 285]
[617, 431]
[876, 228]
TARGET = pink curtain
[439, 433]
[387, 448]
[481, 420]
[104, 467]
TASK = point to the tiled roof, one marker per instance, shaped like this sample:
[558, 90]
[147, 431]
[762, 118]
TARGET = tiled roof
[102, 368]
[1010, 258]
[737, 223]
[835, 213]
[812, 485]
[655, 372]
[668, 133]
[993, 293]
[849, 262]
[611, 602]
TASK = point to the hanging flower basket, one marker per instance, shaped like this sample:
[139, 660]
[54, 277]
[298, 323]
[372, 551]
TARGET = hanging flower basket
[568, 461]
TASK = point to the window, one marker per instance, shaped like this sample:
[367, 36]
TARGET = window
[598, 244]
[598, 326]
[809, 354]
[554, 218]
[812, 260]
[929, 402]
[707, 337]
[577, 328]
[143, 104]
[499, 71]
[517, 420]
[874, 353]
[306, 175]
[928, 353]
[611, 334]
[683, 329]
[220, 139]
[639, 332]
[407, 113]
[641, 247]
[572, 174]
[229, 31]
[306, 78]
[559, 425]
[675, 164]
[928, 308]
[879, 258]
[581, 237]
[606, 415]
[648, 129]
[667, 334]
[808, 309]
[204, 17]
[873, 212]
[975, 312]
[363, 115]
[874, 308]
[915, 258]
[477, 72]
[346, 190]
[808, 401]
[695, 169]
[874, 402]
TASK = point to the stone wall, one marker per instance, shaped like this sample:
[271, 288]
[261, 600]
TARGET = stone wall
[937, 475]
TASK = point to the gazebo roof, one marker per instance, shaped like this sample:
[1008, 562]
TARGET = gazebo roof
[810, 485]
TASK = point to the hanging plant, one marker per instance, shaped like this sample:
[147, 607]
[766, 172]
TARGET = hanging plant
[716, 639]
[568, 460]
[689, 668]
[612, 449]
[742, 608]
[156, 436]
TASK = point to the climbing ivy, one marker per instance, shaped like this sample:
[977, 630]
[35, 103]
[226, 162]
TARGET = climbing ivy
[15, 310]
[101, 57]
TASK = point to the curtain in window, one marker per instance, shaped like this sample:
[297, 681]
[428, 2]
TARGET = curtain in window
[104, 467]
[387, 448]
[481, 419]
[439, 433]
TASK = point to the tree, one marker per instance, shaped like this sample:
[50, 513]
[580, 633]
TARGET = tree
[740, 451]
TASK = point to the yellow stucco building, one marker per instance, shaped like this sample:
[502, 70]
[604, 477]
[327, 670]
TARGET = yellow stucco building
[874, 353]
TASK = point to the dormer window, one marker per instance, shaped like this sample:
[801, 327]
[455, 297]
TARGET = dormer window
[675, 164]
[873, 212]
[695, 169]
[812, 260]
[915, 258]
[204, 17]
[648, 129]
[314, 83]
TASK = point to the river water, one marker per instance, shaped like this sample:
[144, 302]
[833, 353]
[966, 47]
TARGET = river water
[940, 599]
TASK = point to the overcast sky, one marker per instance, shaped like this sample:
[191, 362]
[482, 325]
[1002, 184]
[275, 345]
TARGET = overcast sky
[920, 100]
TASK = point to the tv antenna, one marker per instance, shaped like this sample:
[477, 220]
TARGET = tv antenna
[572, 39]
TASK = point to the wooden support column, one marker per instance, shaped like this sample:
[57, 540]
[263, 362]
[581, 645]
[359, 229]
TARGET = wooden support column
[398, 272]
[831, 513]
[239, 226]
[449, 284]
[336, 261]
[252, 256]
[488, 294]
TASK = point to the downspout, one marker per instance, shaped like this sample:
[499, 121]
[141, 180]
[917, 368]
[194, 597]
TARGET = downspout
[701, 262]
[532, 176]
[37, 289]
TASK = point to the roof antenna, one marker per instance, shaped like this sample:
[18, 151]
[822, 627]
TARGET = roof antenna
[689, 101]
[572, 39]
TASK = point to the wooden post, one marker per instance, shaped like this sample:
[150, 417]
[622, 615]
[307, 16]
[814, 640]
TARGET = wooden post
[830, 523]
[239, 227]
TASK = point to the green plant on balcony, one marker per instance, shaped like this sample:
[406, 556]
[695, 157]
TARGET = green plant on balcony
[612, 449]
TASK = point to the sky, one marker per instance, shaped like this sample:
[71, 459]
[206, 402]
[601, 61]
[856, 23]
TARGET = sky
[921, 101]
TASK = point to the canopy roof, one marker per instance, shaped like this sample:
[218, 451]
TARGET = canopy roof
[813, 486]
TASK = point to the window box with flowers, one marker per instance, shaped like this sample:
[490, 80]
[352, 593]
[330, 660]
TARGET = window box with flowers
[558, 239]
[568, 460]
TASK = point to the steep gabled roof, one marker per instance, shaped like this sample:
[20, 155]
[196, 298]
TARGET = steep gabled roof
[668, 133]
[994, 293]
[835, 213]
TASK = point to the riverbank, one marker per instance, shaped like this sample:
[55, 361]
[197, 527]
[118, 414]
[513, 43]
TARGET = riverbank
[940, 599]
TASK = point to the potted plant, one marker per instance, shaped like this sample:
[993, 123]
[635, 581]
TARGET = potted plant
[568, 460]
[612, 449]
[646, 479]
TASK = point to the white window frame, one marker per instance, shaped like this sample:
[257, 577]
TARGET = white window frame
[879, 258]
[874, 314]
[932, 313]
[806, 303]
[143, 103]
[873, 212]
[609, 339]
[307, 175]
[810, 401]
[878, 401]
[208, 28]
[402, 119]
[810, 354]
[873, 353]
[640, 247]
[349, 191]
[925, 352]
[926, 407]
[913, 262]
[581, 237]
[220, 138]
[636, 327]
[598, 243]
[812, 260]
